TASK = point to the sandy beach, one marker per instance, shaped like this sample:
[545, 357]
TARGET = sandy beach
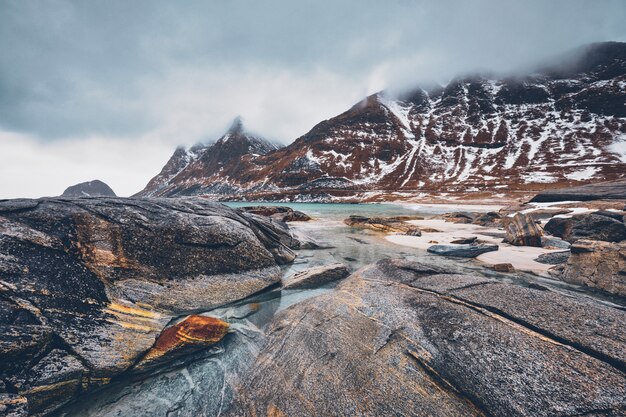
[521, 257]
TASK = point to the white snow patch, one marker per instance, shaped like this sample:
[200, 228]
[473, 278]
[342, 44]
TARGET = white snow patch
[583, 174]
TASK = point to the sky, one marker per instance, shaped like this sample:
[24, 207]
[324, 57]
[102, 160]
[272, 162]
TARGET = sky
[107, 89]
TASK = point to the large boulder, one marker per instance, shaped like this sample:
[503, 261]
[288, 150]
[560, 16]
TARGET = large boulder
[87, 285]
[597, 264]
[400, 338]
[587, 226]
[521, 230]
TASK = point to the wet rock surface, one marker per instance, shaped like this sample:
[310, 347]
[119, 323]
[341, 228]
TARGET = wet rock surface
[462, 251]
[400, 338]
[317, 276]
[596, 226]
[87, 285]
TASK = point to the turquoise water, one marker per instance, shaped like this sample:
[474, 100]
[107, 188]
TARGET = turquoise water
[340, 211]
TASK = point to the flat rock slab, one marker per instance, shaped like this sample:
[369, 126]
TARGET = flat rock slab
[462, 251]
[317, 276]
[398, 339]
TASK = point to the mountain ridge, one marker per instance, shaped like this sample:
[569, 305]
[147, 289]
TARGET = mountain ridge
[562, 126]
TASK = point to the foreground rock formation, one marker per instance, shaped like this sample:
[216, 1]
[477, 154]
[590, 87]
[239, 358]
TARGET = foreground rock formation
[88, 285]
[400, 338]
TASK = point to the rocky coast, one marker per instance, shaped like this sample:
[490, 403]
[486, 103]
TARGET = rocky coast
[183, 307]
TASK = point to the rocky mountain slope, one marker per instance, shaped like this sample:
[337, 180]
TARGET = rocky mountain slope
[558, 126]
[95, 188]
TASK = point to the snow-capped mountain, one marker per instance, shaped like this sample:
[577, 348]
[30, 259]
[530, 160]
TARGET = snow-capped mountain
[209, 168]
[558, 126]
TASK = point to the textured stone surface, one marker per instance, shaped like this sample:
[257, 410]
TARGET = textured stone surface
[317, 276]
[597, 264]
[587, 226]
[521, 230]
[98, 279]
[462, 251]
[394, 339]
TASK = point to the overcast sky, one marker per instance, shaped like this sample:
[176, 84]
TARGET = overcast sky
[108, 89]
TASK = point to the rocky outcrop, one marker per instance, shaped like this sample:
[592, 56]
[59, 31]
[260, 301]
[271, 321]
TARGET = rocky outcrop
[587, 226]
[317, 276]
[400, 338]
[278, 213]
[95, 188]
[87, 285]
[521, 230]
[462, 251]
[597, 264]
[395, 224]
[609, 190]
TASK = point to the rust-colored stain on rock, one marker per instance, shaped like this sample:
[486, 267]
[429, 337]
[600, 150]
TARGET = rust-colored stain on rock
[195, 331]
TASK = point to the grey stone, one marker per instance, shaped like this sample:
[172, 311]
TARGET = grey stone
[462, 251]
[317, 276]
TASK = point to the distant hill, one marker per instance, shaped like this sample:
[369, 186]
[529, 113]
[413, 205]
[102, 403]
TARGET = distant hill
[95, 188]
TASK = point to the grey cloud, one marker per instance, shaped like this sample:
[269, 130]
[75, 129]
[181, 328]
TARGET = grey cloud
[78, 68]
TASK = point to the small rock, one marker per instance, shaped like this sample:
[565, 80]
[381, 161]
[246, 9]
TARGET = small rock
[553, 258]
[503, 268]
[413, 231]
[462, 251]
[432, 241]
[429, 230]
[316, 277]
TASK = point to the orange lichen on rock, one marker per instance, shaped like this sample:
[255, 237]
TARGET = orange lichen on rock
[193, 332]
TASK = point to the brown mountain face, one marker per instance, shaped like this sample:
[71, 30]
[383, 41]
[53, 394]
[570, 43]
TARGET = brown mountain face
[562, 125]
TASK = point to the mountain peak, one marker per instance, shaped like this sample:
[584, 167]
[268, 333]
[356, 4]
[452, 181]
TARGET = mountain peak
[236, 127]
